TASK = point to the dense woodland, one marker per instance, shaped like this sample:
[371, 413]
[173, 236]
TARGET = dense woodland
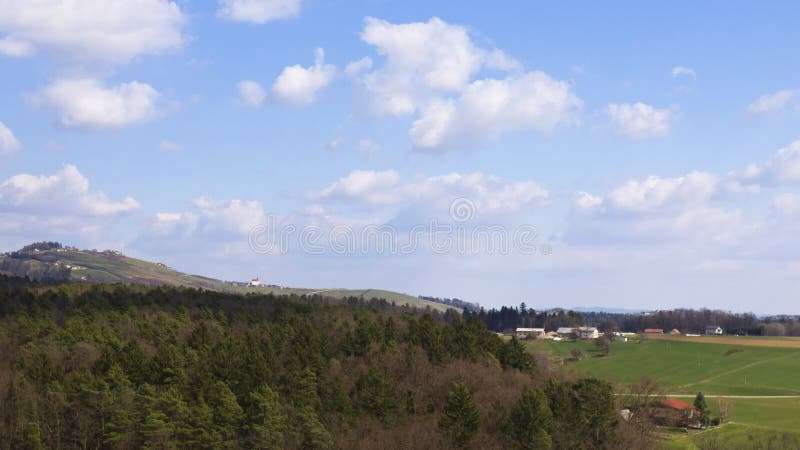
[98, 366]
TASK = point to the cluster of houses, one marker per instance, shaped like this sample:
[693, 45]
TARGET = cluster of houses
[560, 333]
[594, 333]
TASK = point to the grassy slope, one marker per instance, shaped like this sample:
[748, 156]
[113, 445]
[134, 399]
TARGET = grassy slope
[104, 268]
[689, 367]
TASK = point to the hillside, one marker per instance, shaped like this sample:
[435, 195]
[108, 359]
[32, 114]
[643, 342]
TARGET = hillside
[51, 262]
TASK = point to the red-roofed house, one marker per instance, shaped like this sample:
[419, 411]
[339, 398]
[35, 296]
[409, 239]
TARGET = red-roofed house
[653, 331]
[676, 413]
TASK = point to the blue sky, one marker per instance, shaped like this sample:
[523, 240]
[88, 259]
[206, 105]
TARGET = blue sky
[655, 148]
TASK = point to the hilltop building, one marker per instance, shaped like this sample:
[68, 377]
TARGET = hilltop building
[254, 282]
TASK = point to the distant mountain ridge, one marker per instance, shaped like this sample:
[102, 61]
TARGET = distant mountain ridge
[53, 262]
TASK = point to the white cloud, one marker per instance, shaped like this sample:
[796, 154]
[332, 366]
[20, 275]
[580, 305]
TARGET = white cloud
[251, 93]
[258, 11]
[88, 103]
[639, 120]
[487, 108]
[681, 70]
[430, 195]
[299, 86]
[774, 102]
[210, 217]
[356, 68]
[113, 31]
[169, 146]
[8, 142]
[422, 58]
[434, 69]
[10, 46]
[65, 193]
[781, 169]
[376, 188]
[657, 194]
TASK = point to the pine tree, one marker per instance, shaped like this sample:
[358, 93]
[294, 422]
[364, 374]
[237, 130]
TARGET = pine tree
[228, 415]
[530, 421]
[460, 418]
[33, 436]
[702, 408]
[270, 420]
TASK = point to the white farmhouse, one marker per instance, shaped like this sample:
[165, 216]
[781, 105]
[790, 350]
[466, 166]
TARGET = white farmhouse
[525, 333]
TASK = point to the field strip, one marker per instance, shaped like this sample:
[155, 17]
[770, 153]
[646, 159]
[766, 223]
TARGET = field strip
[754, 397]
[786, 342]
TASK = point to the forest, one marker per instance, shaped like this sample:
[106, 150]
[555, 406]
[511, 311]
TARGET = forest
[124, 366]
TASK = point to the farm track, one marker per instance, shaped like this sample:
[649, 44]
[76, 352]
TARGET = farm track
[752, 397]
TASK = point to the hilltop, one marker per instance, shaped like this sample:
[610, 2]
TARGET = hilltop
[53, 262]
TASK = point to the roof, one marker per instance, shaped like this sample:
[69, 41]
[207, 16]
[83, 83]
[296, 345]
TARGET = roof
[565, 330]
[530, 329]
[675, 403]
[587, 328]
[653, 330]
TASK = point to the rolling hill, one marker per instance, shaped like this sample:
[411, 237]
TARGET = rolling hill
[51, 262]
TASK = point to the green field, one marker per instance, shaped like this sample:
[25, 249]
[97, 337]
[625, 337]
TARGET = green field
[682, 369]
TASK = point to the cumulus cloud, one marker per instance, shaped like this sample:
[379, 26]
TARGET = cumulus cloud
[88, 103]
[8, 142]
[251, 93]
[434, 70]
[783, 168]
[639, 120]
[210, 217]
[656, 210]
[299, 85]
[487, 108]
[258, 11]
[656, 193]
[112, 31]
[430, 195]
[65, 193]
[681, 70]
[357, 67]
[10, 46]
[774, 102]
[422, 58]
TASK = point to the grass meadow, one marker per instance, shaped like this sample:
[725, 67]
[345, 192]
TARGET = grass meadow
[747, 374]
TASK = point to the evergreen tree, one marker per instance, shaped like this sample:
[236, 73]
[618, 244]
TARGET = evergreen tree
[375, 394]
[228, 415]
[315, 435]
[459, 419]
[33, 436]
[530, 421]
[702, 408]
[270, 420]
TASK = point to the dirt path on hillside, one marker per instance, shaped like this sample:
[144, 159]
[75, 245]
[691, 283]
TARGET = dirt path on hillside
[732, 340]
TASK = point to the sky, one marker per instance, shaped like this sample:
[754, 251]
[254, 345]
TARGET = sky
[565, 154]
